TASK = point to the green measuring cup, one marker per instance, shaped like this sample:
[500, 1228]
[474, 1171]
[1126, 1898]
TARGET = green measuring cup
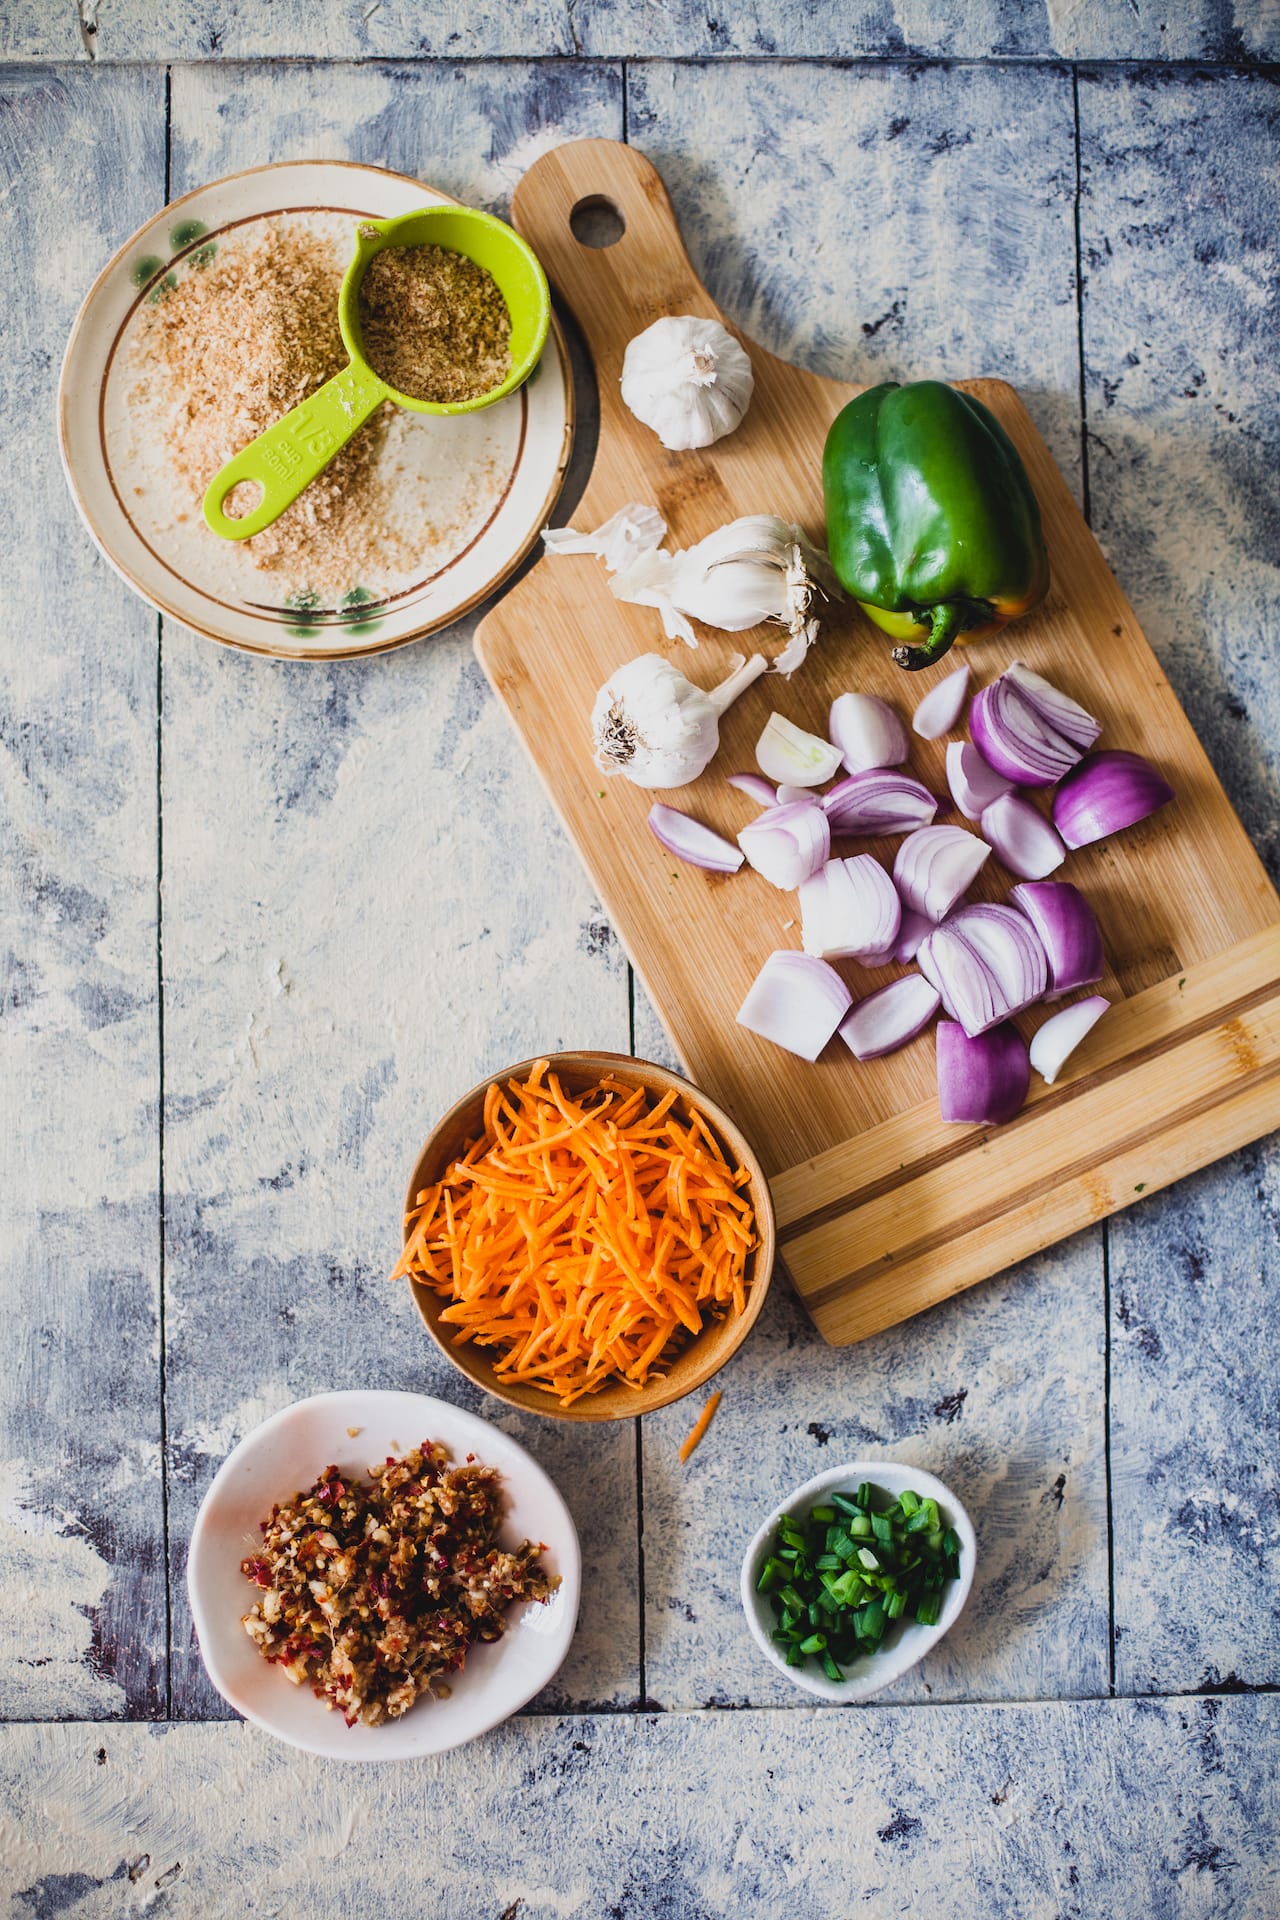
[289, 455]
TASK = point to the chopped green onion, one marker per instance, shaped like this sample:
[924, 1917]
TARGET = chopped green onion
[830, 1668]
[823, 1514]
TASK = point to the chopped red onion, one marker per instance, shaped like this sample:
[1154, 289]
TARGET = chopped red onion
[973, 783]
[797, 1002]
[1022, 838]
[1107, 792]
[787, 796]
[941, 707]
[850, 910]
[1065, 924]
[880, 800]
[689, 840]
[888, 1018]
[787, 844]
[785, 751]
[912, 931]
[1015, 740]
[1065, 715]
[755, 786]
[966, 987]
[934, 867]
[1007, 945]
[867, 732]
[1054, 1043]
[982, 1079]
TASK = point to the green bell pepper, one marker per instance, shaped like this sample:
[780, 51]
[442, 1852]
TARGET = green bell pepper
[932, 524]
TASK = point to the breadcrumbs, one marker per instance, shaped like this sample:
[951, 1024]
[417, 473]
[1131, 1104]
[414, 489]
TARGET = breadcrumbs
[434, 324]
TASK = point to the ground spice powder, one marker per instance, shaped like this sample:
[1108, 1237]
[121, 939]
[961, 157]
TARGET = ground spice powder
[241, 339]
[434, 324]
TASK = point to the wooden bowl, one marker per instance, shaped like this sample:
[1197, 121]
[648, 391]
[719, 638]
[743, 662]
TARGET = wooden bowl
[706, 1352]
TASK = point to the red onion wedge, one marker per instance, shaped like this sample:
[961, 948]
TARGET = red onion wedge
[1053, 1044]
[689, 840]
[786, 752]
[912, 931]
[1015, 740]
[880, 800]
[966, 988]
[1021, 838]
[983, 1079]
[934, 867]
[787, 796]
[1067, 930]
[974, 785]
[941, 707]
[850, 910]
[1058, 710]
[888, 1018]
[1009, 948]
[755, 786]
[797, 1002]
[1107, 792]
[787, 844]
[867, 732]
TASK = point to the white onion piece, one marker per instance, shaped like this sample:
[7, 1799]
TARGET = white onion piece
[887, 1019]
[867, 732]
[689, 840]
[1055, 1042]
[912, 931]
[934, 867]
[881, 800]
[938, 712]
[849, 910]
[755, 786]
[785, 752]
[982, 1079]
[1057, 709]
[1009, 948]
[787, 844]
[968, 991]
[787, 796]
[797, 1002]
[974, 784]
[1022, 838]
[1067, 930]
[1011, 735]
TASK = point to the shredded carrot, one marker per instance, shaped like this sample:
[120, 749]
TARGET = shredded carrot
[700, 1425]
[584, 1237]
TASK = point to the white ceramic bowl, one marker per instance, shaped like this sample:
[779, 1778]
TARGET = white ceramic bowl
[900, 1651]
[283, 1456]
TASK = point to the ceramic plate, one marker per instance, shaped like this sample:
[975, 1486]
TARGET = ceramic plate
[284, 1456]
[457, 501]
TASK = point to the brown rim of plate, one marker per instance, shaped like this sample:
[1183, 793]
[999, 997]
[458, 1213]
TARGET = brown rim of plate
[706, 1352]
[448, 619]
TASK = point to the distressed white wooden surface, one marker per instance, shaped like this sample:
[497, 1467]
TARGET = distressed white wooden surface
[366, 906]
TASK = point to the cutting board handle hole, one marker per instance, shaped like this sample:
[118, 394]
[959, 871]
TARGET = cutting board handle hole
[596, 222]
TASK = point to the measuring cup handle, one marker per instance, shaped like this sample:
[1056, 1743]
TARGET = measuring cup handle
[289, 455]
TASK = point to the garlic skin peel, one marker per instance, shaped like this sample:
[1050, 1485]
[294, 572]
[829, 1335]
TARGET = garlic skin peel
[688, 379]
[656, 727]
[755, 569]
[627, 534]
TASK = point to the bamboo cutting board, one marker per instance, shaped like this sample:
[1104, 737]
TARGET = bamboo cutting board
[882, 1209]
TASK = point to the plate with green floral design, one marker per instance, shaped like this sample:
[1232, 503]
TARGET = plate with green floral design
[213, 319]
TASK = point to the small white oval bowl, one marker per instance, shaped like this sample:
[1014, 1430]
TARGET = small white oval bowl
[283, 1456]
[912, 1641]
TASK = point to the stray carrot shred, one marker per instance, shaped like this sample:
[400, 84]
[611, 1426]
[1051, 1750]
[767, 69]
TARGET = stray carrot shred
[584, 1238]
[700, 1425]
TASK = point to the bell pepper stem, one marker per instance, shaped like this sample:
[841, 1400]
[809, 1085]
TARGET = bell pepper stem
[947, 619]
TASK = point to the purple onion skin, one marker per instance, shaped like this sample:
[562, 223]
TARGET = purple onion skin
[981, 1082]
[1068, 931]
[1106, 792]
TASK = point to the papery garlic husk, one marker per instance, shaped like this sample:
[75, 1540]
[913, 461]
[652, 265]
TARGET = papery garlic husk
[656, 727]
[756, 569]
[627, 534]
[688, 379]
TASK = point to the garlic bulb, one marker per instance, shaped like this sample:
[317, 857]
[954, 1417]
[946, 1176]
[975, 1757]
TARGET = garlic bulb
[688, 379]
[755, 569]
[655, 726]
[625, 535]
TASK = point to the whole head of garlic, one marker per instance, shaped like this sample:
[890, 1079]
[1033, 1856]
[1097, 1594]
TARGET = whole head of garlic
[688, 379]
[655, 726]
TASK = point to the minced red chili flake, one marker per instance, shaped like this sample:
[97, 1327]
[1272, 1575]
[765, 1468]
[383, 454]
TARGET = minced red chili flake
[375, 1590]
